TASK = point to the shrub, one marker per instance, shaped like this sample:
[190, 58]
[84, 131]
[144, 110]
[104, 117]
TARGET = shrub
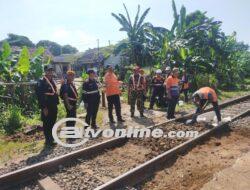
[11, 119]
[203, 80]
[61, 111]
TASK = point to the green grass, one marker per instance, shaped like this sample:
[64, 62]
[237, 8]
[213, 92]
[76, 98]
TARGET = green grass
[99, 118]
[222, 95]
[17, 150]
[34, 120]
[247, 81]
[185, 107]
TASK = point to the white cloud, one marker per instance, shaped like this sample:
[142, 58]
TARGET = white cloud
[75, 37]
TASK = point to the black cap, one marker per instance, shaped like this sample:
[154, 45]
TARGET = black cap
[48, 67]
[109, 66]
[90, 70]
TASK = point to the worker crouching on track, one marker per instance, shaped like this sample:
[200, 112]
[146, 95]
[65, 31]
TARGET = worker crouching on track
[91, 98]
[173, 92]
[157, 88]
[201, 98]
[69, 95]
[112, 89]
[48, 100]
[136, 91]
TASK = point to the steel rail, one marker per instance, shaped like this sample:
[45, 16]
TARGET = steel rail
[34, 171]
[146, 169]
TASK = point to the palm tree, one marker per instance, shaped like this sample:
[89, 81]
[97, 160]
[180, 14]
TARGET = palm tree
[135, 46]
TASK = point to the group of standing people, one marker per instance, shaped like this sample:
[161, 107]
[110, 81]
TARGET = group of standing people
[167, 89]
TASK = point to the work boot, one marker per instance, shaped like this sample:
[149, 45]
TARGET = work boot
[95, 127]
[111, 121]
[120, 120]
[70, 141]
[132, 115]
[50, 144]
[141, 114]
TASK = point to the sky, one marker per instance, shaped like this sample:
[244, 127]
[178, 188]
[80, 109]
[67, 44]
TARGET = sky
[81, 22]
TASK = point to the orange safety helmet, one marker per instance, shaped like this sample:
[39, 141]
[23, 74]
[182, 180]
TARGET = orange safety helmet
[70, 72]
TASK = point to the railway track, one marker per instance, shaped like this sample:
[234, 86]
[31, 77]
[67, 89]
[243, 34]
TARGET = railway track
[99, 165]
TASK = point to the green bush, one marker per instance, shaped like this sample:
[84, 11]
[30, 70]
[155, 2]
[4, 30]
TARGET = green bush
[202, 80]
[11, 119]
[61, 111]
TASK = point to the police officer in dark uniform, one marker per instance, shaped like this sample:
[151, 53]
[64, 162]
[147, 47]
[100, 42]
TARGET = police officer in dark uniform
[91, 98]
[158, 88]
[69, 95]
[48, 100]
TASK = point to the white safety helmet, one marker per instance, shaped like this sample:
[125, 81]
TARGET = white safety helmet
[168, 69]
[158, 71]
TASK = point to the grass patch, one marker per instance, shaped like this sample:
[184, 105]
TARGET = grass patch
[17, 150]
[222, 95]
[99, 118]
[185, 107]
[34, 120]
[247, 81]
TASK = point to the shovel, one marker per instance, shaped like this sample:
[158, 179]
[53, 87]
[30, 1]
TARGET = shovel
[192, 121]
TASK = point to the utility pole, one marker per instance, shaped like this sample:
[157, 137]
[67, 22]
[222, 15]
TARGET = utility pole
[109, 43]
[98, 50]
[99, 65]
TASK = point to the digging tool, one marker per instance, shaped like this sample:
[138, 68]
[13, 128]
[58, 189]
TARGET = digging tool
[193, 120]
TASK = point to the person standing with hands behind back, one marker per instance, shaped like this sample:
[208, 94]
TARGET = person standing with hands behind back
[69, 95]
[48, 100]
[112, 89]
[173, 92]
[136, 91]
[91, 98]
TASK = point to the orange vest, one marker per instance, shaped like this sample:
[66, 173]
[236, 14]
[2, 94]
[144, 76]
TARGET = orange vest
[206, 91]
[172, 85]
[112, 84]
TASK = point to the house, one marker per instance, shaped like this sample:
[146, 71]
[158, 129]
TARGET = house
[63, 63]
[116, 60]
[89, 59]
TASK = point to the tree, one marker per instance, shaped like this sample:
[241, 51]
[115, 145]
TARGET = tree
[136, 46]
[53, 47]
[17, 40]
[5, 62]
[68, 49]
[23, 68]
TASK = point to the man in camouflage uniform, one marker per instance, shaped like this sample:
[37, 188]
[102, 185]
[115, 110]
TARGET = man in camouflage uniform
[136, 92]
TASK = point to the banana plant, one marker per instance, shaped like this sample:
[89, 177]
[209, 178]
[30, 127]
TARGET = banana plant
[135, 45]
[23, 64]
[5, 63]
[36, 64]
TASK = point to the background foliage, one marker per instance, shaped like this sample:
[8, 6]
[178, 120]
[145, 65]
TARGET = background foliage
[195, 42]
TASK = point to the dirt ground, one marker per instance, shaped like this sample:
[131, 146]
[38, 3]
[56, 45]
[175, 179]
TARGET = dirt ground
[201, 164]
[152, 117]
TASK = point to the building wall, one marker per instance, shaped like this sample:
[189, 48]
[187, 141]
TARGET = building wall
[61, 68]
